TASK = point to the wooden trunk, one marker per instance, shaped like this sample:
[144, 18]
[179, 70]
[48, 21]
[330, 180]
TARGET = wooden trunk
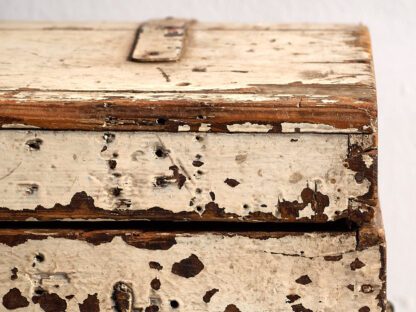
[185, 166]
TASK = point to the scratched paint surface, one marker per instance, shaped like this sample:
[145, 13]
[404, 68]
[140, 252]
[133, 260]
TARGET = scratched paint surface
[214, 58]
[243, 173]
[281, 77]
[316, 271]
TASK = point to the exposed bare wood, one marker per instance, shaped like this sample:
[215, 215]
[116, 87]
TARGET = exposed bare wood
[291, 182]
[264, 272]
[311, 74]
[269, 177]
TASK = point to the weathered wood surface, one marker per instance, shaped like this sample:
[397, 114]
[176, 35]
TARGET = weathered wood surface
[47, 175]
[74, 270]
[289, 77]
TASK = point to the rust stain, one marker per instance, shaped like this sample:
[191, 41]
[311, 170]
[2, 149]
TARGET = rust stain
[188, 267]
[14, 299]
[91, 304]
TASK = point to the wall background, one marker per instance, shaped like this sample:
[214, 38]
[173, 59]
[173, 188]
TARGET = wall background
[393, 30]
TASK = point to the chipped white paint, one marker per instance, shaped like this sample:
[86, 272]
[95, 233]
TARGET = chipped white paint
[18, 126]
[249, 127]
[182, 128]
[290, 127]
[256, 276]
[367, 160]
[204, 127]
[280, 165]
[73, 58]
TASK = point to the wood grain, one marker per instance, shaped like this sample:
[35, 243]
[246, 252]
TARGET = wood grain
[186, 176]
[282, 75]
[264, 272]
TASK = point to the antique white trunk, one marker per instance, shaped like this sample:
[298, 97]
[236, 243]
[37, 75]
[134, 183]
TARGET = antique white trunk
[183, 166]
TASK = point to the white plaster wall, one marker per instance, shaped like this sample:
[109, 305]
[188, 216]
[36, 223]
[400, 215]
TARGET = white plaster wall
[393, 28]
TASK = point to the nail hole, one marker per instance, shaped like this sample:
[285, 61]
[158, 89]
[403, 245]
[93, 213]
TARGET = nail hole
[160, 121]
[199, 172]
[40, 257]
[161, 152]
[109, 137]
[245, 206]
[198, 138]
[174, 304]
[39, 291]
[198, 190]
[200, 117]
[112, 164]
[198, 208]
[34, 144]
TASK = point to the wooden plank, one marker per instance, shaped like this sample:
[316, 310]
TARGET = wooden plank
[103, 270]
[160, 40]
[320, 75]
[172, 111]
[187, 176]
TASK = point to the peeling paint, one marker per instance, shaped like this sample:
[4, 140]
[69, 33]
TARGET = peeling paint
[249, 127]
[288, 127]
[182, 128]
[283, 262]
[138, 171]
[204, 127]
